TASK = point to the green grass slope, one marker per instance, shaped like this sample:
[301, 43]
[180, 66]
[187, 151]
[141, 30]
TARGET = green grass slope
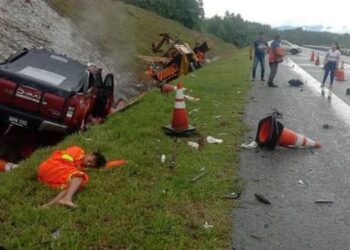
[145, 205]
[124, 31]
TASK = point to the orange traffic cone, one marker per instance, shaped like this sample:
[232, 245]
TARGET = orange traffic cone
[341, 73]
[180, 125]
[272, 133]
[312, 59]
[6, 166]
[317, 62]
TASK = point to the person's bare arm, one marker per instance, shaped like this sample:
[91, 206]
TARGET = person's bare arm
[325, 59]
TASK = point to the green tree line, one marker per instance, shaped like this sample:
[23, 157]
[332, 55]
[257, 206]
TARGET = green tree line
[232, 27]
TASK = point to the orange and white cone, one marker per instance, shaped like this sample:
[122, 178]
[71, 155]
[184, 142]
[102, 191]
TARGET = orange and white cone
[317, 62]
[291, 139]
[180, 124]
[341, 73]
[312, 59]
[6, 166]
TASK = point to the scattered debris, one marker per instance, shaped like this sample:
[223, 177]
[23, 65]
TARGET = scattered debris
[262, 199]
[55, 233]
[191, 98]
[253, 99]
[197, 177]
[251, 145]
[327, 126]
[255, 237]
[295, 83]
[217, 116]
[213, 140]
[301, 182]
[193, 144]
[329, 202]
[232, 196]
[207, 225]
[194, 110]
[347, 91]
[162, 159]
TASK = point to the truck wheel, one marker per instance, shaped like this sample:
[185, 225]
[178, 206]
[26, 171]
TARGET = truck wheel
[294, 52]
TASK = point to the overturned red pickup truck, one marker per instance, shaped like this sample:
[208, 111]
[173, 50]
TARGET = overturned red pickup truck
[44, 91]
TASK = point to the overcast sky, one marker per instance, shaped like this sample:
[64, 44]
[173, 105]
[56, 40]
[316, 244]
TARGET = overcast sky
[292, 12]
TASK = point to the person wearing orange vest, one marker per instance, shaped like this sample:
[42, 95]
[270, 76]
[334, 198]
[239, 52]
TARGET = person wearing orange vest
[276, 55]
[66, 170]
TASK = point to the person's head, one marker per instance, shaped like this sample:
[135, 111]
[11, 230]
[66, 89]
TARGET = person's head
[262, 35]
[278, 38]
[94, 160]
[335, 46]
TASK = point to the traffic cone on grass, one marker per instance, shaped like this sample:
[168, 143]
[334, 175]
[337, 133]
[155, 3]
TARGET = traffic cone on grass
[317, 62]
[312, 59]
[6, 166]
[272, 133]
[180, 125]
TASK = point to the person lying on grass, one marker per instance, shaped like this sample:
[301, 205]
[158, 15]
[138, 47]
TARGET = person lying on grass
[65, 170]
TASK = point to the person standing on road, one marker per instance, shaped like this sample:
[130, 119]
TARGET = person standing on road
[260, 48]
[276, 54]
[331, 63]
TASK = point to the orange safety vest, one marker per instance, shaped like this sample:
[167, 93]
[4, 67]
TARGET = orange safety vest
[61, 167]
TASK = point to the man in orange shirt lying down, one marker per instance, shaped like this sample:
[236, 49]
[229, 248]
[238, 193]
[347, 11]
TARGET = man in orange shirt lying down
[65, 170]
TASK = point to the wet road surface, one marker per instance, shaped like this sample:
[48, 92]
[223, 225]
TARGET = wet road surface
[293, 179]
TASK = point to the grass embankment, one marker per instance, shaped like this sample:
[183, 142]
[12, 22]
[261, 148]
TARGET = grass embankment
[123, 32]
[145, 205]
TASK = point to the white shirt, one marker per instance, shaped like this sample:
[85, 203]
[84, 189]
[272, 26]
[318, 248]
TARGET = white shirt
[332, 56]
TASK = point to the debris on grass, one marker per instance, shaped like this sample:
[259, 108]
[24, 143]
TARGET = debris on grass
[193, 144]
[232, 196]
[200, 175]
[55, 233]
[191, 98]
[162, 159]
[213, 140]
[262, 199]
[217, 116]
[251, 145]
[207, 225]
[192, 111]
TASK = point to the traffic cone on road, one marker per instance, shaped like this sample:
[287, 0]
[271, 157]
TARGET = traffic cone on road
[272, 133]
[179, 125]
[341, 73]
[6, 166]
[317, 62]
[312, 59]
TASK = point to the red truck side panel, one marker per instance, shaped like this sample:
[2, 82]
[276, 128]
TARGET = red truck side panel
[7, 90]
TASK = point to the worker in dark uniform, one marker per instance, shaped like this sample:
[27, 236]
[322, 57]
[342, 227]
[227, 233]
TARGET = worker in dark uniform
[260, 47]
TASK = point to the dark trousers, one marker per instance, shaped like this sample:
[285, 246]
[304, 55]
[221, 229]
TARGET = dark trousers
[259, 59]
[330, 67]
[273, 72]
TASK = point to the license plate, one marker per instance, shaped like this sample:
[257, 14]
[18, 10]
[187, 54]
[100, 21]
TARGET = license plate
[18, 122]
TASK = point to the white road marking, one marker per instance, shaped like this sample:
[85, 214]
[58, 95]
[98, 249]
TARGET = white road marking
[342, 110]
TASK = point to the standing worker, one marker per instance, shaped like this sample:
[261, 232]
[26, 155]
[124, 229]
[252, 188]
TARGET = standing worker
[260, 47]
[276, 54]
[331, 63]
